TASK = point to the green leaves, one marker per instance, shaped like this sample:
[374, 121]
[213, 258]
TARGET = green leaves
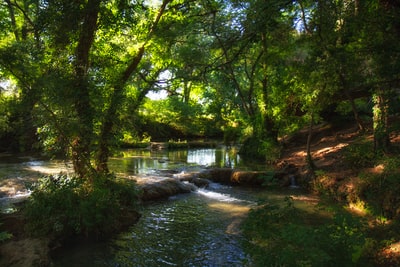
[61, 206]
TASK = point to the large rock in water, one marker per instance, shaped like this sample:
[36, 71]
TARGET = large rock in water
[235, 177]
[165, 188]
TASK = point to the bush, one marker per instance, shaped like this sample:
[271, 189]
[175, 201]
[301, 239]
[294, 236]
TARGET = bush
[4, 236]
[259, 149]
[360, 155]
[62, 206]
[381, 190]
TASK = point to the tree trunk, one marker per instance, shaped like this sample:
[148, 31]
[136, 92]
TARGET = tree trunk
[103, 151]
[82, 140]
[109, 120]
[309, 159]
[357, 118]
[380, 121]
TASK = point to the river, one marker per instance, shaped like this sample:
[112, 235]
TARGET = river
[195, 229]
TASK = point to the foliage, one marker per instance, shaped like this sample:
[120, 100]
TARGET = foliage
[4, 236]
[360, 154]
[287, 236]
[260, 149]
[62, 206]
[269, 179]
[379, 190]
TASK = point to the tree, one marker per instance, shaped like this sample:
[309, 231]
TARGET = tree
[69, 52]
[250, 56]
[382, 40]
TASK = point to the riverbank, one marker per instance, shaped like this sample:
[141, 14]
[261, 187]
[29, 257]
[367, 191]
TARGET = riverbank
[348, 173]
[334, 175]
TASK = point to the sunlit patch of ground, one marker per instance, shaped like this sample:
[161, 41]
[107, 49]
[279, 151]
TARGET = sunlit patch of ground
[329, 149]
[390, 255]
[306, 198]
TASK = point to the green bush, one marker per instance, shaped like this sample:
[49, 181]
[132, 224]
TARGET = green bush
[359, 155]
[380, 190]
[256, 148]
[62, 206]
[4, 236]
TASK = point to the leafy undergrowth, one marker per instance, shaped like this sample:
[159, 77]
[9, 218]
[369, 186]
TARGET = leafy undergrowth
[358, 187]
[63, 207]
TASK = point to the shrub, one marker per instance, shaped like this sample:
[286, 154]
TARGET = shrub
[62, 206]
[360, 155]
[258, 149]
[380, 190]
[4, 236]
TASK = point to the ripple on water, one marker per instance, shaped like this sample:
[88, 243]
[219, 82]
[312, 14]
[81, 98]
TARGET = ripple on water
[184, 231]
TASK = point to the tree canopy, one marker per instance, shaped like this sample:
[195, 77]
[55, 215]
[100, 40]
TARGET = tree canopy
[76, 75]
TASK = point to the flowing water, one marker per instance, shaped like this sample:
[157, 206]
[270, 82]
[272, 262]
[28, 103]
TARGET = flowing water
[196, 229]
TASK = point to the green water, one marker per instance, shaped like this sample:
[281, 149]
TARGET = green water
[196, 229]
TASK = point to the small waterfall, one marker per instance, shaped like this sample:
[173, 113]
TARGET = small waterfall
[216, 195]
[293, 183]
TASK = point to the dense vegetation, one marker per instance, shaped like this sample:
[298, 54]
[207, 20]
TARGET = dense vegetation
[81, 78]
[354, 224]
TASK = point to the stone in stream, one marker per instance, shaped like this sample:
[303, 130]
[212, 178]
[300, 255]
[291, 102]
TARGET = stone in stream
[165, 188]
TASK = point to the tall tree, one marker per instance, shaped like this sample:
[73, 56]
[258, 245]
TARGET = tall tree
[118, 87]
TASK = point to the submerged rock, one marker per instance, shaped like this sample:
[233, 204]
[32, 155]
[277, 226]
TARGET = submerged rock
[165, 188]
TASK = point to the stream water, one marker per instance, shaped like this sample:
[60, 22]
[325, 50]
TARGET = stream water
[196, 229]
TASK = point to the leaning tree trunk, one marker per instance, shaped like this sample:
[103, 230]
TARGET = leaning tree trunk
[82, 140]
[106, 133]
[309, 159]
[380, 121]
[357, 118]
[108, 123]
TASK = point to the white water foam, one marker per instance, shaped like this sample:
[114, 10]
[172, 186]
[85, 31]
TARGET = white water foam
[216, 195]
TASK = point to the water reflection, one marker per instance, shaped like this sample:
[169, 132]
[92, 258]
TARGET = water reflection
[137, 161]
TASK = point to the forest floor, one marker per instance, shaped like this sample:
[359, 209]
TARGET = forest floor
[328, 154]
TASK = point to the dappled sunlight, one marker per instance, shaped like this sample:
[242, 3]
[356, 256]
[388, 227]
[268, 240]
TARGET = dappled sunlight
[357, 208]
[329, 149]
[232, 209]
[394, 248]
[49, 167]
[234, 227]
[10, 187]
[236, 211]
[301, 153]
[306, 198]
[378, 169]
[390, 255]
